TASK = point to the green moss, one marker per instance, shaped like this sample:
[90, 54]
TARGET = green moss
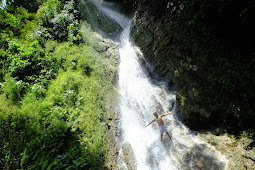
[97, 19]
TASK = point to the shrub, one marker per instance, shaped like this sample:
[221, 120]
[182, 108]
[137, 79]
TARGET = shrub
[28, 62]
[74, 33]
[54, 146]
[47, 11]
[59, 24]
[50, 111]
[13, 89]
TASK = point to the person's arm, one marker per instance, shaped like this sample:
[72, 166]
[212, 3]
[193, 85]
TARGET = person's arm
[151, 122]
[166, 114]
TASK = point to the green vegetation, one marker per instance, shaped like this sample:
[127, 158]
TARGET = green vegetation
[31, 5]
[53, 89]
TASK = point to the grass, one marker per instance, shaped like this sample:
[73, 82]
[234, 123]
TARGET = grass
[53, 116]
[65, 127]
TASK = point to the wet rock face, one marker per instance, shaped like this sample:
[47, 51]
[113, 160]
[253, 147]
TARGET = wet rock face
[162, 49]
[113, 136]
[98, 20]
[200, 157]
[111, 120]
[235, 150]
[129, 157]
[146, 34]
[164, 52]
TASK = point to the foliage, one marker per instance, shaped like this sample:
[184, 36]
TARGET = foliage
[52, 93]
[62, 128]
[13, 89]
[28, 61]
[48, 11]
[59, 24]
[30, 5]
[26, 66]
[12, 24]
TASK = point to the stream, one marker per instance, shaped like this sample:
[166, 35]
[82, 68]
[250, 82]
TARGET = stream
[139, 97]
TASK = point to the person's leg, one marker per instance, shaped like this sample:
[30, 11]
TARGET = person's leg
[161, 131]
[169, 136]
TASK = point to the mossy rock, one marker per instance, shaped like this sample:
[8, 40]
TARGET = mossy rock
[142, 37]
[129, 157]
[98, 20]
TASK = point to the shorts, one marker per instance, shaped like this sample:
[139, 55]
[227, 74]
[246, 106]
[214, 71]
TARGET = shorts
[162, 129]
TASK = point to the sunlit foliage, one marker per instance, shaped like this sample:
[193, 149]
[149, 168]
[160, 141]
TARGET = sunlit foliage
[51, 91]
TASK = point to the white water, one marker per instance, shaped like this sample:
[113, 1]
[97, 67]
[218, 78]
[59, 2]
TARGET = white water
[139, 99]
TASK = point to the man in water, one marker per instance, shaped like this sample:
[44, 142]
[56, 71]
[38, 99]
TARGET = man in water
[161, 124]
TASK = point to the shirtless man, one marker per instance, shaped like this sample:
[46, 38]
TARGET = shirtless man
[161, 124]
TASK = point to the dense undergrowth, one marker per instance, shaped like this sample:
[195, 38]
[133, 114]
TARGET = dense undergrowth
[52, 93]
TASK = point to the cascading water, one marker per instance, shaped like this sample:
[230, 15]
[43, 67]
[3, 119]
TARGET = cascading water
[140, 97]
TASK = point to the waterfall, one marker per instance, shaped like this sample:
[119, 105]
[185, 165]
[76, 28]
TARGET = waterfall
[140, 97]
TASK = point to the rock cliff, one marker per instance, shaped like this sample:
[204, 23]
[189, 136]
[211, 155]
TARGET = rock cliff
[191, 46]
[164, 51]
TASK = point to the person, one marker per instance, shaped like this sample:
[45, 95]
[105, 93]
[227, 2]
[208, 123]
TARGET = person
[161, 124]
